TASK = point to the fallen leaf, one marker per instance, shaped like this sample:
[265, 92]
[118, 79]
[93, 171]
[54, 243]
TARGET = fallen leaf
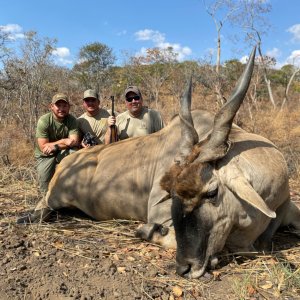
[59, 244]
[216, 275]
[116, 257]
[272, 261]
[121, 269]
[251, 290]
[267, 285]
[177, 291]
[153, 248]
[130, 258]
[277, 293]
[67, 232]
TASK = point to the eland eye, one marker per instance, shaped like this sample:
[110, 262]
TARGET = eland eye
[211, 195]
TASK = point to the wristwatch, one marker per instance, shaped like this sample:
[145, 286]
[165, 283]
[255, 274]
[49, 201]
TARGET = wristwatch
[56, 148]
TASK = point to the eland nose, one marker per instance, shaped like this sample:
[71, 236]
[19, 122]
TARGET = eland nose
[182, 270]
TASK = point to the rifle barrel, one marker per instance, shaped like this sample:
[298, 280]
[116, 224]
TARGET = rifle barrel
[113, 128]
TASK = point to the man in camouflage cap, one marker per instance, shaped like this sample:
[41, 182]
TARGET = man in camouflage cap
[137, 120]
[93, 123]
[56, 135]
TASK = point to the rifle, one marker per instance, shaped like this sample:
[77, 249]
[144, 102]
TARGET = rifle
[113, 128]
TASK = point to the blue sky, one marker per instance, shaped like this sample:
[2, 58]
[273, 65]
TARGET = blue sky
[135, 25]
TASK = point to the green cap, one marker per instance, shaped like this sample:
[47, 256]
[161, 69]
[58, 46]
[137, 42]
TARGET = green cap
[90, 94]
[60, 96]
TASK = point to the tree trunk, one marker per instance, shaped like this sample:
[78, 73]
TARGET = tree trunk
[286, 92]
[268, 83]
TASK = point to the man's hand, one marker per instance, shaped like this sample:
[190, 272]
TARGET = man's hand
[111, 120]
[85, 145]
[48, 149]
[69, 142]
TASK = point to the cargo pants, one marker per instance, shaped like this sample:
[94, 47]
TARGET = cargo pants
[46, 168]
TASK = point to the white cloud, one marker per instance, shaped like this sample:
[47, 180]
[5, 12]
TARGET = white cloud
[11, 28]
[62, 55]
[294, 58]
[159, 41]
[14, 31]
[64, 62]
[142, 52]
[244, 59]
[275, 52]
[148, 34]
[295, 31]
[61, 52]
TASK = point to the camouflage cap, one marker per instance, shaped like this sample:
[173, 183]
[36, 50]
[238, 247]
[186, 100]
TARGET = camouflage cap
[60, 96]
[90, 94]
[133, 89]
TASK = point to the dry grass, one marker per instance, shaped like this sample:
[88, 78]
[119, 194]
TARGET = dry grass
[270, 276]
[274, 275]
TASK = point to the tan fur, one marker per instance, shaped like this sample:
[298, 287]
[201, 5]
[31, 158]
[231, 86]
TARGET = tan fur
[122, 180]
[188, 180]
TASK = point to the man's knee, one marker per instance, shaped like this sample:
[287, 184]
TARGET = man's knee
[63, 153]
[45, 171]
[43, 186]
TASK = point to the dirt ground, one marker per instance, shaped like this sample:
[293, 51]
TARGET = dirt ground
[74, 257]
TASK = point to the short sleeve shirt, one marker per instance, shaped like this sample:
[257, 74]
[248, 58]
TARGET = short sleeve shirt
[96, 125]
[50, 128]
[149, 121]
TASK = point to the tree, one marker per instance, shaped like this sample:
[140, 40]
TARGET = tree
[176, 82]
[25, 80]
[247, 16]
[94, 61]
[289, 72]
[151, 70]
[4, 39]
[252, 21]
[213, 8]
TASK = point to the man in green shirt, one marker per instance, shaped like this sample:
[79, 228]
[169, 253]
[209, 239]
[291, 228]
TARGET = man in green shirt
[56, 136]
[137, 120]
[94, 120]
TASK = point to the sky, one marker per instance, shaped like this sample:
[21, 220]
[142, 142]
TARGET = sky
[131, 26]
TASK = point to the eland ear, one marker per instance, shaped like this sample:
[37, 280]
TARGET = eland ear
[242, 188]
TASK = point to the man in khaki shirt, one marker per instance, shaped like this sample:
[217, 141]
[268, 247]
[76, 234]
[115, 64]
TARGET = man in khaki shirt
[94, 120]
[137, 120]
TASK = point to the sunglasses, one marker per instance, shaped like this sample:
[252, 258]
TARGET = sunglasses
[90, 100]
[129, 99]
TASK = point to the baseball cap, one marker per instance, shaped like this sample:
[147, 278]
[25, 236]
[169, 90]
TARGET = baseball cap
[133, 89]
[90, 94]
[59, 96]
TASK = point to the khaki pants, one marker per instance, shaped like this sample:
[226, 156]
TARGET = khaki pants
[46, 168]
